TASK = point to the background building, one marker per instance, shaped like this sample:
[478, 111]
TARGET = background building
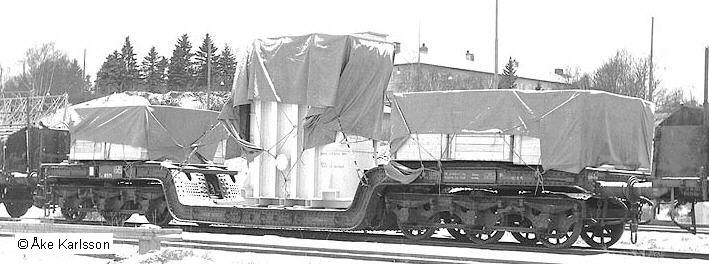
[413, 77]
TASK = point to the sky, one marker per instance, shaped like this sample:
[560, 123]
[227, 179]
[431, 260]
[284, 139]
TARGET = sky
[541, 35]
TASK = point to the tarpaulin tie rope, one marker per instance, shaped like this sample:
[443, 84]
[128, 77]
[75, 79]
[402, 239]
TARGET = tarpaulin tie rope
[537, 173]
[408, 128]
[360, 173]
[194, 144]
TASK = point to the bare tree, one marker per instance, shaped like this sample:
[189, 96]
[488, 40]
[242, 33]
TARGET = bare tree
[621, 74]
[41, 63]
[624, 74]
[47, 71]
[667, 101]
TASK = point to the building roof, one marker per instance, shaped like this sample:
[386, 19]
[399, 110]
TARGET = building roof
[473, 71]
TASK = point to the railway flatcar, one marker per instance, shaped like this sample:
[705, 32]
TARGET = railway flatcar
[310, 117]
[114, 152]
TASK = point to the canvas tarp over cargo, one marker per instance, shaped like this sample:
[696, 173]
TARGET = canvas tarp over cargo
[341, 78]
[165, 132]
[577, 129]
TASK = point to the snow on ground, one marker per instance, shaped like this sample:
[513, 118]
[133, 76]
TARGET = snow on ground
[682, 242]
[197, 256]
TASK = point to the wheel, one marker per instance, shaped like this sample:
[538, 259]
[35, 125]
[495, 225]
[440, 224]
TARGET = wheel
[557, 237]
[158, 213]
[457, 233]
[487, 236]
[17, 208]
[114, 211]
[71, 209]
[602, 237]
[525, 238]
[419, 231]
[73, 214]
[17, 200]
[115, 218]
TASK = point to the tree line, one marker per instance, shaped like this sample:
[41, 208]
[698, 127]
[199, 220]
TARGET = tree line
[629, 75]
[622, 74]
[47, 70]
[185, 70]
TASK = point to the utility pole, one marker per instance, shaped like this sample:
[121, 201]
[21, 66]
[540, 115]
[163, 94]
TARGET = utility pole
[706, 78]
[652, 35]
[418, 60]
[494, 82]
[706, 120]
[209, 72]
[83, 74]
[418, 46]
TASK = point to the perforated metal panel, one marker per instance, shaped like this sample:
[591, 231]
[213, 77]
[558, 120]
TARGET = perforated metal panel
[194, 190]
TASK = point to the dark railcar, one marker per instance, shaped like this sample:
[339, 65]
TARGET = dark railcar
[22, 154]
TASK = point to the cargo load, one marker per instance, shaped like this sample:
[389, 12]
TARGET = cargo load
[312, 104]
[146, 132]
[570, 129]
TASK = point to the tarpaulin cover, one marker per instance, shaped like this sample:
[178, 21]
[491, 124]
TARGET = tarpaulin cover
[174, 133]
[576, 128]
[341, 78]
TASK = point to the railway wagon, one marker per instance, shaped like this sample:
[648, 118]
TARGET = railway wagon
[295, 96]
[540, 165]
[114, 152]
[22, 154]
[680, 161]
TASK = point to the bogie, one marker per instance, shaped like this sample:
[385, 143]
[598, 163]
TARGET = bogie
[555, 221]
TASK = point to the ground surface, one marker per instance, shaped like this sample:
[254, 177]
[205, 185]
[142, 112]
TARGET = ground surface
[683, 242]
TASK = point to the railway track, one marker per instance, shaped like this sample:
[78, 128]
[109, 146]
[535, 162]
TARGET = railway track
[361, 255]
[388, 238]
[385, 238]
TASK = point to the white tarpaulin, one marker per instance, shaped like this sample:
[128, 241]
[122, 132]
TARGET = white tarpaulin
[341, 78]
[576, 128]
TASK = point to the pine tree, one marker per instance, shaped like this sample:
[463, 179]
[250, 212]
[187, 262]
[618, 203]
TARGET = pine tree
[129, 71]
[201, 62]
[108, 77]
[226, 67]
[152, 71]
[179, 70]
[508, 75]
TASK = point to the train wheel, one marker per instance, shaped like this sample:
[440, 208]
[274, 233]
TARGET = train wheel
[158, 213]
[73, 214]
[557, 236]
[71, 210]
[602, 237]
[418, 231]
[17, 208]
[457, 233]
[486, 237]
[115, 218]
[17, 200]
[525, 238]
[482, 237]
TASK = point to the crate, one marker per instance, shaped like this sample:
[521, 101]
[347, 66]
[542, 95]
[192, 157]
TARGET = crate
[523, 150]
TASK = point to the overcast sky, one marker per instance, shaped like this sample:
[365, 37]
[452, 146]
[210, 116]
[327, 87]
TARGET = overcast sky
[541, 35]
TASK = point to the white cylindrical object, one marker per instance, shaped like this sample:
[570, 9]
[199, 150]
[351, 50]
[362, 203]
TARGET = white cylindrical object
[306, 163]
[269, 137]
[287, 122]
[252, 185]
